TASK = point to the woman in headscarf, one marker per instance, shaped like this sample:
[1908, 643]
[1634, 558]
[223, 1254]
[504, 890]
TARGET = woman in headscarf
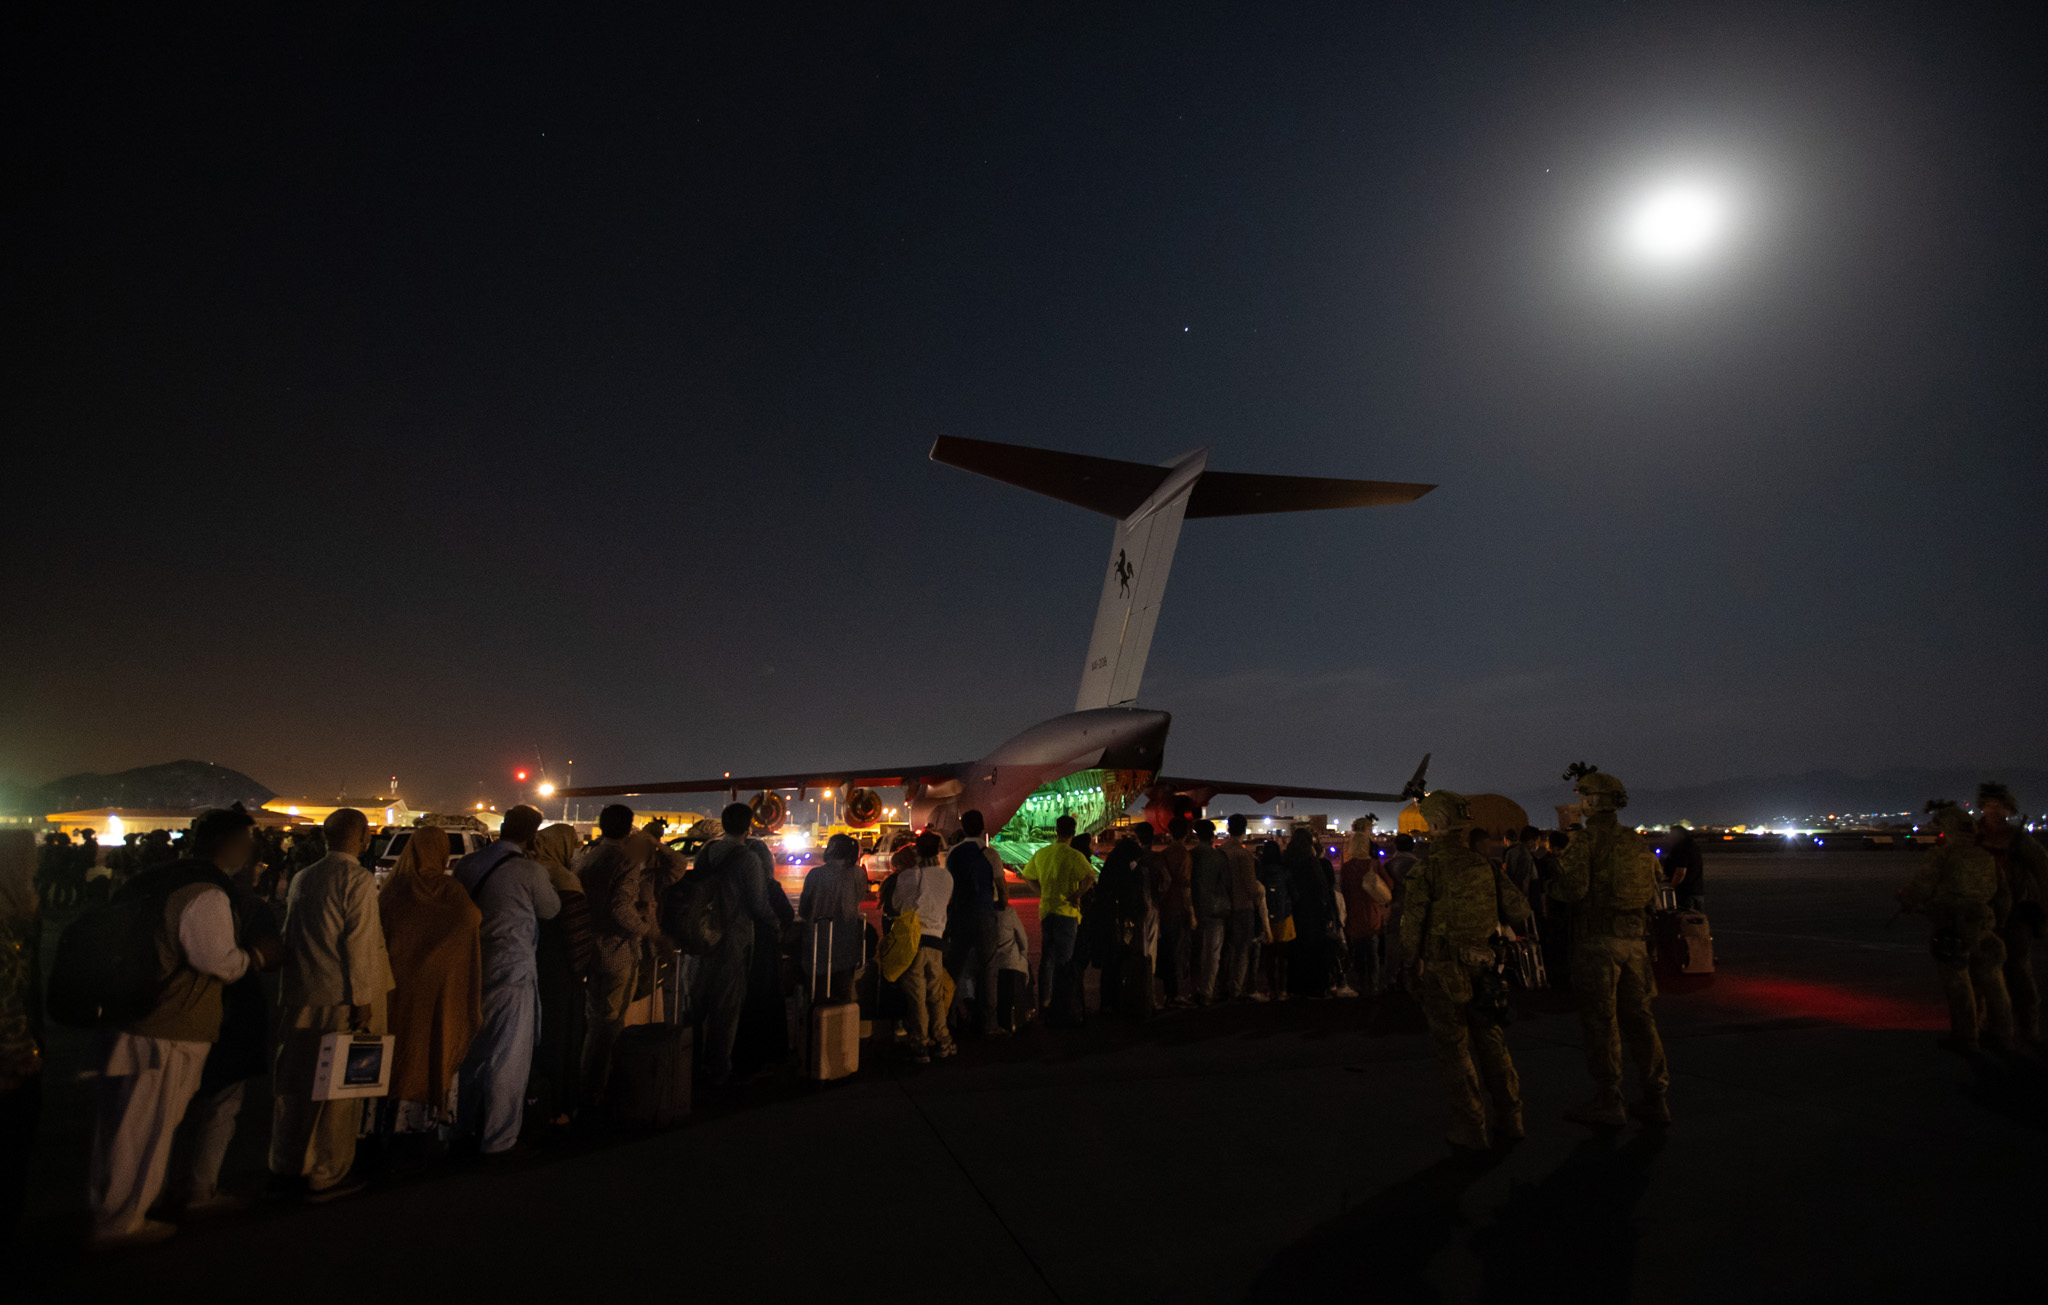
[21, 1021]
[563, 952]
[432, 931]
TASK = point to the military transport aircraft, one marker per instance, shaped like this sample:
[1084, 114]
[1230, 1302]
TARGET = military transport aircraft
[1096, 759]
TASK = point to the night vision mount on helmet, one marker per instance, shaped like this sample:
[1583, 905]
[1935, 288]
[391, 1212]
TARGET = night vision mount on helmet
[1603, 792]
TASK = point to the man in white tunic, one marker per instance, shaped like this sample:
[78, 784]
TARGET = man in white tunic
[337, 978]
[514, 894]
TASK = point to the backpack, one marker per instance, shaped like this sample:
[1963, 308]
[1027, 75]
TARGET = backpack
[695, 910]
[899, 949]
[107, 971]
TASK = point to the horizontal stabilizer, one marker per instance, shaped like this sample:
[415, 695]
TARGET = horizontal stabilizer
[1239, 493]
[1105, 485]
[1117, 489]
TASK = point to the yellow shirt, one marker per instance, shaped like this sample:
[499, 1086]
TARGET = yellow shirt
[1062, 875]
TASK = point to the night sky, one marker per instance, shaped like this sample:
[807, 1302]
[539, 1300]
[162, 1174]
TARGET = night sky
[412, 393]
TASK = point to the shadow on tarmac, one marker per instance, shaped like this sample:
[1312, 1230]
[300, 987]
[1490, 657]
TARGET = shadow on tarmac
[2014, 1084]
[1381, 1248]
[1571, 1236]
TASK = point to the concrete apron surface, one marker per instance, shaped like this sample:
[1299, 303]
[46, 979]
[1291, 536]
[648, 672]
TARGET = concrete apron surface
[1824, 1149]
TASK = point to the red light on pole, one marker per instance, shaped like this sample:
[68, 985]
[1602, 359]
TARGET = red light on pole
[519, 775]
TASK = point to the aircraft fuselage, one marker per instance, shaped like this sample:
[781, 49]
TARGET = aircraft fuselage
[1106, 738]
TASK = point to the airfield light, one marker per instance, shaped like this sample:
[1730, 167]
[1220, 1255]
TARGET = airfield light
[479, 806]
[519, 775]
[546, 790]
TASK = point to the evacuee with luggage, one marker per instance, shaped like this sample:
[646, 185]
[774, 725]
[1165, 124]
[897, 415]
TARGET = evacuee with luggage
[1686, 869]
[832, 944]
[337, 981]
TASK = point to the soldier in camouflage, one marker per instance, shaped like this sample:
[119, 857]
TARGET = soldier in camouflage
[1956, 887]
[1455, 903]
[1608, 877]
[2023, 880]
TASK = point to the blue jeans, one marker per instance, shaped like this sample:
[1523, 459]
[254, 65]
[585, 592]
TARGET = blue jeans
[1056, 935]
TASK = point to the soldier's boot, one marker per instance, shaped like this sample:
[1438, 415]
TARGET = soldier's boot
[1599, 1112]
[1652, 1109]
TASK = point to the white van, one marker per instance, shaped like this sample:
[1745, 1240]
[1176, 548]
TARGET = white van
[386, 848]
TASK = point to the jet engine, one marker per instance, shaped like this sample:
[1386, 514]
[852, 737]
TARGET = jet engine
[862, 808]
[769, 811]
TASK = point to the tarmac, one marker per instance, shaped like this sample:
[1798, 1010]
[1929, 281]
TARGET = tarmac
[1824, 1148]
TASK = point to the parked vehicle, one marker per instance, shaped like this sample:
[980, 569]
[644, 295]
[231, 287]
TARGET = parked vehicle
[386, 847]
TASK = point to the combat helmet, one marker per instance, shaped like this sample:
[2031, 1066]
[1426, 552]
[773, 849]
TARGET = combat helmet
[1601, 791]
[1444, 810]
[1950, 819]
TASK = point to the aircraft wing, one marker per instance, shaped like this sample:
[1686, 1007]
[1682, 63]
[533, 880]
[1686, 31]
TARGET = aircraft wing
[1202, 790]
[1267, 792]
[879, 777]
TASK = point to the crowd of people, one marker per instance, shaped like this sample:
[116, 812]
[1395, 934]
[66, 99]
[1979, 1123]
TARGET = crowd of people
[505, 980]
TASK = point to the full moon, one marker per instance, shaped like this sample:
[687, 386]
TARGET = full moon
[1675, 223]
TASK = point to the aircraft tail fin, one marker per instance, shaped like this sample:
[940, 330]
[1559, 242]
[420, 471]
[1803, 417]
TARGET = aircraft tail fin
[1140, 556]
[1149, 503]
[1417, 786]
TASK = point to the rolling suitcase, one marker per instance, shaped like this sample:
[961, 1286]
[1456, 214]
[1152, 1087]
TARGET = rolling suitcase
[651, 1072]
[1685, 942]
[834, 1047]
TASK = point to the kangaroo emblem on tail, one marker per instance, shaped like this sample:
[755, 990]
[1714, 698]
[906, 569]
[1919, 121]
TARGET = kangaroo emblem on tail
[1124, 572]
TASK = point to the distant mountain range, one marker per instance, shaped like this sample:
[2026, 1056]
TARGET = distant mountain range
[173, 786]
[1752, 801]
